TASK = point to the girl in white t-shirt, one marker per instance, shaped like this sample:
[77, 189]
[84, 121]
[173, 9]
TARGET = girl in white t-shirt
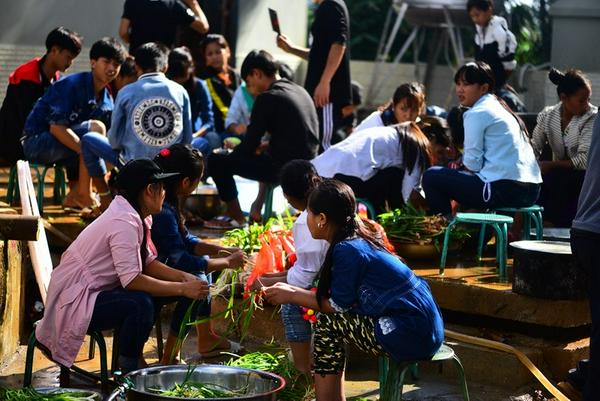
[407, 104]
[298, 179]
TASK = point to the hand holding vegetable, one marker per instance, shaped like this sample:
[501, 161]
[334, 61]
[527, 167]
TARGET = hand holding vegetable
[236, 260]
[196, 289]
[279, 293]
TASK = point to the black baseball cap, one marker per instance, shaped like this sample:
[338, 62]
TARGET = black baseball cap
[137, 174]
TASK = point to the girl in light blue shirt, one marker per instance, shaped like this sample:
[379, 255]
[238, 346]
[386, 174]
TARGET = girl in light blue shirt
[500, 169]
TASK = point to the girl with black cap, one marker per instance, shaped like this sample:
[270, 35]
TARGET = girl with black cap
[106, 279]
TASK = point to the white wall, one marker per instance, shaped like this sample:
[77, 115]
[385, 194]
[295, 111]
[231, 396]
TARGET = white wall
[254, 29]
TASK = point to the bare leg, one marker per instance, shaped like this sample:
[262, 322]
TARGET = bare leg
[84, 196]
[169, 349]
[258, 203]
[302, 356]
[102, 188]
[234, 210]
[208, 340]
[330, 387]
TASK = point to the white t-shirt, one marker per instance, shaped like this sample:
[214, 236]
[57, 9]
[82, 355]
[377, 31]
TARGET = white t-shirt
[363, 155]
[372, 121]
[310, 254]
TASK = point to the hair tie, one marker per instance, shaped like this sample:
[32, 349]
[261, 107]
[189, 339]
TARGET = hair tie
[164, 152]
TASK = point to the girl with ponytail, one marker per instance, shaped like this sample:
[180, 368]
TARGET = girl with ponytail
[567, 128]
[499, 164]
[366, 296]
[183, 251]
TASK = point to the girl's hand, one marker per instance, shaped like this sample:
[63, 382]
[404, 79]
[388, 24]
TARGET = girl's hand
[236, 260]
[279, 293]
[321, 95]
[187, 277]
[196, 289]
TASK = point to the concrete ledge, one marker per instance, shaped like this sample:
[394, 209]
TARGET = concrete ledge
[480, 300]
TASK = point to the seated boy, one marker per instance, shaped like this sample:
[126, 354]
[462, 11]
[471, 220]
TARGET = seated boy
[284, 112]
[28, 83]
[149, 115]
[70, 108]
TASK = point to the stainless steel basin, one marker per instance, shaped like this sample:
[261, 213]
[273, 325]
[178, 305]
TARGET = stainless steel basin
[261, 386]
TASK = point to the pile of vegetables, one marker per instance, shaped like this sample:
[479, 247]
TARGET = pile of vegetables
[411, 225]
[298, 385]
[30, 394]
[248, 239]
[192, 389]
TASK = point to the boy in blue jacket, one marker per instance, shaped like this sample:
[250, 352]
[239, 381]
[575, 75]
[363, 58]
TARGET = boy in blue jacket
[149, 115]
[71, 107]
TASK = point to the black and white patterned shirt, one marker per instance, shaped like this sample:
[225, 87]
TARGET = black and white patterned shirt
[573, 143]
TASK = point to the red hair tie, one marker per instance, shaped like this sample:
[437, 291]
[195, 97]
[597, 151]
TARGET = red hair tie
[164, 152]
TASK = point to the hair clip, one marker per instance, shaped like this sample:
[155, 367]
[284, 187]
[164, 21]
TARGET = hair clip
[164, 152]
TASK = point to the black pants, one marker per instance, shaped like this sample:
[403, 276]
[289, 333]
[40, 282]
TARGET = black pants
[559, 195]
[384, 186]
[222, 168]
[585, 247]
[330, 120]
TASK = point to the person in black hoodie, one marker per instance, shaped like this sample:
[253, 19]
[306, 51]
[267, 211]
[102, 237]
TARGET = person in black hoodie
[284, 111]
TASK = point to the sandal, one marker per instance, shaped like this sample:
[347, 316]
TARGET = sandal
[223, 223]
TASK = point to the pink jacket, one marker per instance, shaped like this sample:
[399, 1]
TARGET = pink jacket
[104, 256]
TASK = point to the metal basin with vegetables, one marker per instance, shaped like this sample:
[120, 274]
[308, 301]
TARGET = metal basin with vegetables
[215, 382]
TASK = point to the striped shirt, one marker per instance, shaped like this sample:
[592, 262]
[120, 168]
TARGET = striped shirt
[573, 143]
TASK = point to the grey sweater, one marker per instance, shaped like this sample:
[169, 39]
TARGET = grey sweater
[588, 209]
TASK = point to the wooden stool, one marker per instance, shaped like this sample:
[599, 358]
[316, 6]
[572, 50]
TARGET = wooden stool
[391, 374]
[500, 225]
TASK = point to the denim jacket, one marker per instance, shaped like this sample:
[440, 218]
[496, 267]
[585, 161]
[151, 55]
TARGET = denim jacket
[69, 101]
[150, 114]
[174, 249]
[373, 282]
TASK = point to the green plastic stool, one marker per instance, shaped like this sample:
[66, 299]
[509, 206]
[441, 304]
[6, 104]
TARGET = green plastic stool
[497, 221]
[268, 210]
[530, 213]
[60, 184]
[391, 374]
[370, 208]
[96, 336]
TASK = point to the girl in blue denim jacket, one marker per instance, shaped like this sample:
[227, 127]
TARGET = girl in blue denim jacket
[366, 296]
[181, 250]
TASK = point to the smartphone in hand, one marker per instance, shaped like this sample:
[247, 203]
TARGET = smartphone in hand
[274, 21]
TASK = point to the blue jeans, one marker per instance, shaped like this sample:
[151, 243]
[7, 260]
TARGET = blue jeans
[95, 149]
[201, 308]
[585, 247]
[132, 313]
[44, 148]
[441, 185]
[296, 328]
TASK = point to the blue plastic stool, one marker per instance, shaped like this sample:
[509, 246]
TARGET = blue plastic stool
[391, 374]
[530, 213]
[497, 221]
[60, 184]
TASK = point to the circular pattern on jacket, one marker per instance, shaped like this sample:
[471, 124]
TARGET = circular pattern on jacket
[157, 121]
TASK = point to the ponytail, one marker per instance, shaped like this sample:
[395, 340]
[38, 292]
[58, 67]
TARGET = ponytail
[336, 201]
